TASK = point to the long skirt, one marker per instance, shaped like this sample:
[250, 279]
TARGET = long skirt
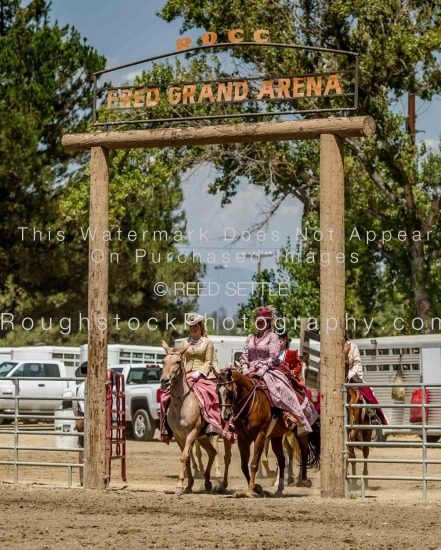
[285, 398]
[208, 399]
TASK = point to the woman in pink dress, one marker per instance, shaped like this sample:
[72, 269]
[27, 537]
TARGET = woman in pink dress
[259, 359]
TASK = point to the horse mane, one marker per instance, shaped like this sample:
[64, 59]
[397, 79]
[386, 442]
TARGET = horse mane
[242, 379]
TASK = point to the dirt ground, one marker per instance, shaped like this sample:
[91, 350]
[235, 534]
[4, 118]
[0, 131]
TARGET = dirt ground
[143, 513]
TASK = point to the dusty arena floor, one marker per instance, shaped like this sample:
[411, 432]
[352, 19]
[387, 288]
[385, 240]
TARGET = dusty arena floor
[143, 513]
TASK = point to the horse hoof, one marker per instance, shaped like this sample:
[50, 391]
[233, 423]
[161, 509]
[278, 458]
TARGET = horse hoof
[219, 488]
[299, 483]
[208, 486]
[278, 494]
[179, 491]
[188, 491]
[258, 489]
[307, 483]
[291, 480]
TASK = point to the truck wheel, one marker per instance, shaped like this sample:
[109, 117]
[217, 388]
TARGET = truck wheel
[143, 430]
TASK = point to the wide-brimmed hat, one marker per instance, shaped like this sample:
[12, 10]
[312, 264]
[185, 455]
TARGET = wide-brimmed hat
[265, 312]
[194, 318]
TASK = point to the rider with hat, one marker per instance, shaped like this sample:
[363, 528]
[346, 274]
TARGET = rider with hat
[260, 360]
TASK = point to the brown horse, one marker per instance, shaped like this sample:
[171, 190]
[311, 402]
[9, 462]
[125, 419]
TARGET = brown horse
[186, 421]
[357, 416]
[247, 406]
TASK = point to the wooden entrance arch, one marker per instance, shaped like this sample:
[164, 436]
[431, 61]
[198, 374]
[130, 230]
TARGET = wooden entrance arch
[331, 132]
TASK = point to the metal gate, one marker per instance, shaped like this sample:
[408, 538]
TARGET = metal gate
[115, 423]
[429, 430]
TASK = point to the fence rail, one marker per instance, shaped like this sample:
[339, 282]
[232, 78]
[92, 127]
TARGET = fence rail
[20, 412]
[424, 429]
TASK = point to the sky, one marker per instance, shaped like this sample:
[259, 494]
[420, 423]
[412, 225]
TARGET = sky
[130, 30]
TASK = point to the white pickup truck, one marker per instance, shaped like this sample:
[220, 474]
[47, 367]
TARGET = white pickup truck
[37, 382]
[143, 394]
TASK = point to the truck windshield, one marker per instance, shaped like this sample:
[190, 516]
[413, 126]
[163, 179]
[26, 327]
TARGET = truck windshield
[142, 375]
[6, 367]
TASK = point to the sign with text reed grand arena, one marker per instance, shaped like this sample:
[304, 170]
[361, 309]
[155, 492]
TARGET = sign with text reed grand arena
[163, 91]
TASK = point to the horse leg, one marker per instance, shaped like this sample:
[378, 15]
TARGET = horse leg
[367, 436]
[186, 445]
[244, 449]
[222, 485]
[259, 444]
[265, 462]
[288, 444]
[215, 443]
[198, 466]
[211, 452]
[277, 446]
[302, 480]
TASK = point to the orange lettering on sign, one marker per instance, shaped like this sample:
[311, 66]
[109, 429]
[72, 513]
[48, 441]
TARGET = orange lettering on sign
[333, 84]
[112, 97]
[125, 98]
[183, 43]
[259, 36]
[174, 95]
[240, 95]
[233, 35]
[206, 93]
[188, 93]
[225, 90]
[152, 98]
[313, 85]
[283, 85]
[209, 38]
[298, 82]
[266, 89]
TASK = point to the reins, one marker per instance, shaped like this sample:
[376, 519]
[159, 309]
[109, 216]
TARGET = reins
[248, 396]
[178, 374]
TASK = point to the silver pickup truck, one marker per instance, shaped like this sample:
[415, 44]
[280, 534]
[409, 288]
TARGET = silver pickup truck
[143, 394]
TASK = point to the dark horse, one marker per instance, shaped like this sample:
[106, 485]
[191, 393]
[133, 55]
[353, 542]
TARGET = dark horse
[357, 416]
[249, 409]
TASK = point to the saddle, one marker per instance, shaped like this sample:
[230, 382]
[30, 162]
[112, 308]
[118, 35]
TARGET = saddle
[260, 384]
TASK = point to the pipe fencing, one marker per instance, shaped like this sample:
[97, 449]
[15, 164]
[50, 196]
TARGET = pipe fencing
[422, 429]
[19, 414]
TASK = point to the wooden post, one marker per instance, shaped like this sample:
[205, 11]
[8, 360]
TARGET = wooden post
[332, 314]
[94, 477]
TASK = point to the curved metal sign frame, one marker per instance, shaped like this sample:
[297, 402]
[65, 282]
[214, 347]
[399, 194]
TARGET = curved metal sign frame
[270, 113]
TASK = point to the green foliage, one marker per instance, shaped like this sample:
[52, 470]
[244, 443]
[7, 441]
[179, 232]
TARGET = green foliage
[46, 92]
[390, 185]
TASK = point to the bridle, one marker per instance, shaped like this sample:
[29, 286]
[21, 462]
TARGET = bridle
[250, 395]
[177, 375]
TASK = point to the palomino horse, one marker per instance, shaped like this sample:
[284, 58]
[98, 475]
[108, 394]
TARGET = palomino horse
[250, 411]
[185, 420]
[197, 464]
[357, 416]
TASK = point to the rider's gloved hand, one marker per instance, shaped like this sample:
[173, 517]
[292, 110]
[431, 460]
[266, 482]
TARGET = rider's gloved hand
[195, 375]
[261, 371]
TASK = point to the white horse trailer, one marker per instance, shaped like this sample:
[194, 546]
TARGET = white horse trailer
[69, 355]
[420, 360]
[127, 354]
[5, 354]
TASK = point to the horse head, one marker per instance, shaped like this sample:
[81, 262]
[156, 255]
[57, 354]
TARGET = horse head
[172, 364]
[227, 393]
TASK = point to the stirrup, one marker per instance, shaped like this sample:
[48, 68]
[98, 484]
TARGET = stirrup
[290, 421]
[373, 418]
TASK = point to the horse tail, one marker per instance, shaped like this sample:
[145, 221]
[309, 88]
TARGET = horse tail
[313, 461]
